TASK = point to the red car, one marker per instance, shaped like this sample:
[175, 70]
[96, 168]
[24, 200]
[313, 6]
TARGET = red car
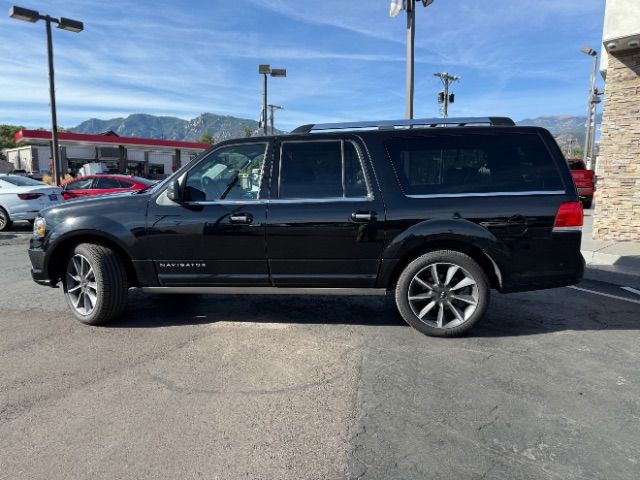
[585, 180]
[102, 184]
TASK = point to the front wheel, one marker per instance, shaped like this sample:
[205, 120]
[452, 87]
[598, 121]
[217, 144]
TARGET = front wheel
[95, 284]
[442, 293]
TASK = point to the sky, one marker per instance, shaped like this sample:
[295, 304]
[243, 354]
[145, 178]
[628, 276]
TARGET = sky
[345, 60]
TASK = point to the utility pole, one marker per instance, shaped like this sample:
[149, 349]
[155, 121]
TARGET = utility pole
[272, 115]
[445, 97]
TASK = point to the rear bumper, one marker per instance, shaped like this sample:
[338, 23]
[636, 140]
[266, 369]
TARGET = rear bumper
[552, 279]
[585, 191]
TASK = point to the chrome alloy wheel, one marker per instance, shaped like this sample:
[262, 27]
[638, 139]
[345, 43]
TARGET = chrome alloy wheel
[81, 285]
[443, 295]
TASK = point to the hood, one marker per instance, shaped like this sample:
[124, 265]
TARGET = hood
[110, 205]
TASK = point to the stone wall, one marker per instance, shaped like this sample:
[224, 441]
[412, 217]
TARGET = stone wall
[617, 199]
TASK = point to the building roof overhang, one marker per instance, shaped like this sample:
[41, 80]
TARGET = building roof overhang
[83, 139]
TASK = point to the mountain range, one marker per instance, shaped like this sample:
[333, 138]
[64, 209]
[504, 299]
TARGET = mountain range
[565, 128]
[220, 127]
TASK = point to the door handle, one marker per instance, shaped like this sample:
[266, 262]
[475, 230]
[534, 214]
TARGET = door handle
[241, 218]
[363, 216]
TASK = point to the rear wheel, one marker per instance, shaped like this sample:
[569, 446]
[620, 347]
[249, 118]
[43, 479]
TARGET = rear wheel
[442, 293]
[5, 221]
[95, 284]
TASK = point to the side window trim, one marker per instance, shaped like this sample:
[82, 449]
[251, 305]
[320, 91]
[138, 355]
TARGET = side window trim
[343, 198]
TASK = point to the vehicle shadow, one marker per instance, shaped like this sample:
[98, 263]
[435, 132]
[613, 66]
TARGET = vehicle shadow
[150, 311]
[513, 315]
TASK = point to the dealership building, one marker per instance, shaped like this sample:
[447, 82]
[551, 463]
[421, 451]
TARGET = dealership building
[147, 157]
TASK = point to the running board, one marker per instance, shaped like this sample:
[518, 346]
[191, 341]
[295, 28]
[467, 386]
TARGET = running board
[267, 290]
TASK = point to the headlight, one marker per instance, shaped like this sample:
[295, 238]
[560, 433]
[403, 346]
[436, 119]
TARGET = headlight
[39, 227]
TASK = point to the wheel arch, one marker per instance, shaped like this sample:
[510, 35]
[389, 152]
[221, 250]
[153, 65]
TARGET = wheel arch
[58, 255]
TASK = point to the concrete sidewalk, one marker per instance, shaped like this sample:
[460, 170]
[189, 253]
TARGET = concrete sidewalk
[609, 261]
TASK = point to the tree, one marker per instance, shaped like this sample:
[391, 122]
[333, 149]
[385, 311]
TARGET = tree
[7, 133]
[206, 138]
[248, 132]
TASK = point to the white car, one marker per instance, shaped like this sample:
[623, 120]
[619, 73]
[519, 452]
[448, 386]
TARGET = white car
[21, 198]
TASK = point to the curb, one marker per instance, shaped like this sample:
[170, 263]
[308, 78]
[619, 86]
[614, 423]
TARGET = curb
[615, 269]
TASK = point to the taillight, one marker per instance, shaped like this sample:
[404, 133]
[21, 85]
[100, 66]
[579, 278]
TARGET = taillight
[29, 196]
[569, 217]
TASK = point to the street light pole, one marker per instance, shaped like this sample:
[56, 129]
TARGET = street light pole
[264, 105]
[590, 125]
[411, 37]
[24, 14]
[265, 70]
[55, 156]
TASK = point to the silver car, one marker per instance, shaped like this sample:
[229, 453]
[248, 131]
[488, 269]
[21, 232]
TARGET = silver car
[21, 198]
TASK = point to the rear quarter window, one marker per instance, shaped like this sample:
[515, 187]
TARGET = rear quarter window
[473, 164]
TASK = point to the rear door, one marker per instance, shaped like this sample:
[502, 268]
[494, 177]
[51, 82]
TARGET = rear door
[325, 221]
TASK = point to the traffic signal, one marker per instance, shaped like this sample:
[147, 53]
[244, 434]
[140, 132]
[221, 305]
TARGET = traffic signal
[451, 97]
[440, 97]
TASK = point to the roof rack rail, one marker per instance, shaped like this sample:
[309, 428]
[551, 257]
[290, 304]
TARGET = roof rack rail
[390, 124]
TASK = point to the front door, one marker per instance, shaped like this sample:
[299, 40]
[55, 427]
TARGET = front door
[216, 234]
[324, 224]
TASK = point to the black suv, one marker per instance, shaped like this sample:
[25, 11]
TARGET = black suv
[437, 211]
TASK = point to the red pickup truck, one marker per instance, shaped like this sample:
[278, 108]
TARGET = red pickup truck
[585, 180]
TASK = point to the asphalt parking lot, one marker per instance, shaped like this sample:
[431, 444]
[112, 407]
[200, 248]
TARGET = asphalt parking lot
[547, 387]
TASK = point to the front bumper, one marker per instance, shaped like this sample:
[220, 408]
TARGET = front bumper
[38, 270]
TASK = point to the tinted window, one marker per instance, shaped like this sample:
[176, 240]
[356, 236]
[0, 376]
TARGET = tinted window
[473, 163]
[106, 182]
[20, 181]
[82, 184]
[231, 173]
[318, 170]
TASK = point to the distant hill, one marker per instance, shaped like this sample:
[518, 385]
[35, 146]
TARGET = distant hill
[172, 128]
[566, 128]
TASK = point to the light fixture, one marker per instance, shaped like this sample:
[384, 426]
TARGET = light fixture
[633, 43]
[24, 14]
[589, 51]
[279, 72]
[612, 46]
[264, 69]
[70, 25]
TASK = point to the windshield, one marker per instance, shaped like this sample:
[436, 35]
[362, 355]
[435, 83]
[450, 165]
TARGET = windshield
[21, 181]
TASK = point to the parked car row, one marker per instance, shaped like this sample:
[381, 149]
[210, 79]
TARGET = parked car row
[21, 197]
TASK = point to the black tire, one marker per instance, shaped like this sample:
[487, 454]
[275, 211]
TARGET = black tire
[447, 298]
[5, 221]
[109, 285]
[587, 202]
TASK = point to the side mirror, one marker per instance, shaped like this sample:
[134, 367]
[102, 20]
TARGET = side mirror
[173, 192]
